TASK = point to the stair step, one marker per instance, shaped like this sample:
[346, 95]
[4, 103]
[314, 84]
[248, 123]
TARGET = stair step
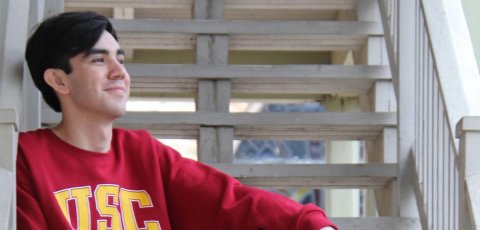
[269, 126]
[246, 35]
[312, 175]
[229, 4]
[377, 223]
[217, 26]
[246, 42]
[243, 10]
[283, 126]
[284, 81]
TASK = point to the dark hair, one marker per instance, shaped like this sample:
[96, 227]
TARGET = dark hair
[59, 38]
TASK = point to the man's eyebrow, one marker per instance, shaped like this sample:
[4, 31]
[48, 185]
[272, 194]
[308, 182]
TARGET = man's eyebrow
[102, 51]
[96, 51]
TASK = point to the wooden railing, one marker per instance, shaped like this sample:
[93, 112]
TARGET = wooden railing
[468, 130]
[444, 89]
[8, 149]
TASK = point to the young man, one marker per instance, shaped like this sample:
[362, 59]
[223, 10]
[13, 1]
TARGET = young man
[83, 174]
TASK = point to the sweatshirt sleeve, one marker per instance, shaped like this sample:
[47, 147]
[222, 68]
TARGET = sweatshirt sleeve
[201, 197]
[29, 213]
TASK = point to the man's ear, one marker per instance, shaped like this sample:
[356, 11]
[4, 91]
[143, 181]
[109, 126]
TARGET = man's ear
[57, 79]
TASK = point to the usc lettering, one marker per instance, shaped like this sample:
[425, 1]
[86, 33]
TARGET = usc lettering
[119, 197]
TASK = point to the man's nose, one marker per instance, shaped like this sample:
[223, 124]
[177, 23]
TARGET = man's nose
[117, 71]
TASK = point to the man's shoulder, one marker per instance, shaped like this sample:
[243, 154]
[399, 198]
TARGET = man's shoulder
[34, 135]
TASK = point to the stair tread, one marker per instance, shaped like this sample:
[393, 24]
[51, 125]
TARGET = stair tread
[261, 9]
[229, 4]
[286, 126]
[246, 34]
[250, 81]
[377, 223]
[312, 175]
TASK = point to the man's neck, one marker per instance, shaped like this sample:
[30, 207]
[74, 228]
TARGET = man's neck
[92, 136]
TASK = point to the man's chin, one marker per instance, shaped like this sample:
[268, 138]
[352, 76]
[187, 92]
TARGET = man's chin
[118, 114]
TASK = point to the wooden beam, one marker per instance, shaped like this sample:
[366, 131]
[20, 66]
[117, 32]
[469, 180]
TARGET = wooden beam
[230, 4]
[215, 143]
[238, 42]
[268, 72]
[160, 4]
[8, 150]
[218, 26]
[276, 126]
[256, 81]
[325, 119]
[9, 116]
[311, 175]
[125, 13]
[354, 120]
[377, 223]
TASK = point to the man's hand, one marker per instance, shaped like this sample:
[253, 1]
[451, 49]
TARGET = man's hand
[327, 228]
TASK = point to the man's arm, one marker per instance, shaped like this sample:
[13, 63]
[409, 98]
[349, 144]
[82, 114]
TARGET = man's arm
[198, 195]
[29, 213]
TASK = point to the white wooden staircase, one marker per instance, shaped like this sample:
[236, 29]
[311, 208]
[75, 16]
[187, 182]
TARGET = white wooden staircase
[218, 52]
[346, 34]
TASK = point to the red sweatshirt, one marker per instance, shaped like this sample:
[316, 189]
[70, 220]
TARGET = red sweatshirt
[140, 184]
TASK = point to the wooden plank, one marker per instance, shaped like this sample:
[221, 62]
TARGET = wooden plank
[472, 188]
[7, 189]
[125, 13]
[468, 130]
[13, 37]
[129, 3]
[8, 116]
[406, 115]
[31, 97]
[215, 143]
[377, 223]
[289, 5]
[339, 120]
[8, 147]
[382, 99]
[218, 26]
[162, 41]
[278, 126]
[311, 175]
[245, 42]
[301, 72]
[230, 4]
[247, 80]
[326, 119]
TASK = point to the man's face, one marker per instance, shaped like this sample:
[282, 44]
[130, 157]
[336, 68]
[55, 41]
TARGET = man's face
[100, 84]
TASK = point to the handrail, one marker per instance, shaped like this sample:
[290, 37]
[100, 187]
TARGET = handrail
[446, 88]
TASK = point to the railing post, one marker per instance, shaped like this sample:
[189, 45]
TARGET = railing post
[406, 113]
[468, 131]
[8, 149]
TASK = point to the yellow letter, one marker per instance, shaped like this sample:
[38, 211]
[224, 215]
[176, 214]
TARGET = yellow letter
[102, 192]
[62, 198]
[144, 201]
[81, 195]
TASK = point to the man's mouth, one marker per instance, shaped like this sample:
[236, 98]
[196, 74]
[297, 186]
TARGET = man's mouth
[116, 89]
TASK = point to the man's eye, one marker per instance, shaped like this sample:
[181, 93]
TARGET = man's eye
[121, 61]
[98, 60]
